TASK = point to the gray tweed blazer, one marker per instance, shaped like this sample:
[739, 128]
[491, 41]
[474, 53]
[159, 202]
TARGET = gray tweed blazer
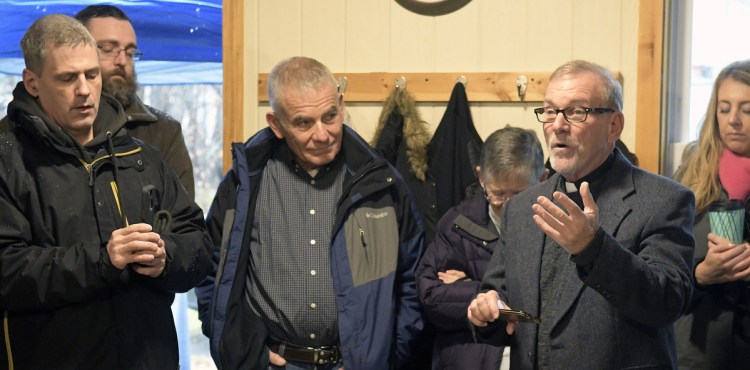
[618, 305]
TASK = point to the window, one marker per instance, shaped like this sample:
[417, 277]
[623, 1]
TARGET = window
[705, 37]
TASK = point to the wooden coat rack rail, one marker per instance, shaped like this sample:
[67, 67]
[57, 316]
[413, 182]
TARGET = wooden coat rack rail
[437, 87]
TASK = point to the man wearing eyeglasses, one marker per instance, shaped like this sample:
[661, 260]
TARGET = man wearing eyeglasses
[118, 51]
[601, 252]
[454, 263]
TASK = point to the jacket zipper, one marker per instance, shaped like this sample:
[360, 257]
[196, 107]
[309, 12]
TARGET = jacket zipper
[90, 170]
[90, 166]
[364, 245]
[6, 332]
[345, 193]
[485, 242]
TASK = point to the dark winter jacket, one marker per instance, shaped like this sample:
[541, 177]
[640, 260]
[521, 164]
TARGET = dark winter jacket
[454, 152]
[65, 306]
[715, 331]
[465, 241]
[372, 263]
[165, 133]
[402, 137]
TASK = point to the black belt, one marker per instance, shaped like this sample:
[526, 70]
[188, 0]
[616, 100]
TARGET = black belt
[319, 356]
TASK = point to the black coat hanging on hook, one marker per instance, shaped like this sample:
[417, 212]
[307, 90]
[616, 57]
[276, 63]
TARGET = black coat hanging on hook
[452, 152]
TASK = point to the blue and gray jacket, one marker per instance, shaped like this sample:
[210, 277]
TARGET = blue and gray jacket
[376, 244]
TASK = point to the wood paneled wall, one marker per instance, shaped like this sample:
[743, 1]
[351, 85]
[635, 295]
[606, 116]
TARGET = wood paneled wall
[485, 36]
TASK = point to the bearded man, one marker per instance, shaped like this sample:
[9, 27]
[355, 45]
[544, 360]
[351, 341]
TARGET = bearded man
[118, 51]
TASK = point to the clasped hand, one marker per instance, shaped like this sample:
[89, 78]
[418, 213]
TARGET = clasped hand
[573, 228]
[451, 276]
[724, 262]
[138, 246]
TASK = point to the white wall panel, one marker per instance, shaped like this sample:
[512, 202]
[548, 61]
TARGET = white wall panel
[484, 36]
[412, 40]
[279, 31]
[367, 28]
[503, 42]
[324, 32]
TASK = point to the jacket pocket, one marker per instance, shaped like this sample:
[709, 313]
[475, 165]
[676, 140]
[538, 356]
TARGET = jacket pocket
[372, 243]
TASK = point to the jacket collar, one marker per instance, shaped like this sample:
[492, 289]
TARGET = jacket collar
[257, 150]
[474, 210]
[619, 185]
[137, 111]
[28, 115]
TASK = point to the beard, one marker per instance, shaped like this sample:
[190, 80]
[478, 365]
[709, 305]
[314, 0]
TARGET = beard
[122, 90]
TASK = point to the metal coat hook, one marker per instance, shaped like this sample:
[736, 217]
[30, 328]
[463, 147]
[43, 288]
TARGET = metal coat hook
[521, 83]
[400, 82]
[462, 80]
[341, 86]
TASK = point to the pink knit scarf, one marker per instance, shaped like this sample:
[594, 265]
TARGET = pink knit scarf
[734, 174]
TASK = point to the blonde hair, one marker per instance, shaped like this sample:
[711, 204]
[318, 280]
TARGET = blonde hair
[702, 167]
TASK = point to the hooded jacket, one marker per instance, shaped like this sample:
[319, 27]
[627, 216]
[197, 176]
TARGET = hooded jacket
[65, 306]
[165, 133]
[402, 137]
[372, 261]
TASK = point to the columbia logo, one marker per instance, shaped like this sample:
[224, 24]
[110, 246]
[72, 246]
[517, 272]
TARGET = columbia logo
[376, 215]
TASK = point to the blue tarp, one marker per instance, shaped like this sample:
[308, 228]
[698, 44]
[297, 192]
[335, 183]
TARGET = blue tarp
[180, 39]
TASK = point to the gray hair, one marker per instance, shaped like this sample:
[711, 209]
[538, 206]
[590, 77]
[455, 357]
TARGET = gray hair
[295, 74]
[612, 87]
[53, 30]
[512, 150]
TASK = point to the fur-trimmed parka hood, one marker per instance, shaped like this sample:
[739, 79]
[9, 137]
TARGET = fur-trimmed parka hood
[400, 120]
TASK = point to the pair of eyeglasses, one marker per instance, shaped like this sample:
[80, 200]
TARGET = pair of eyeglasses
[113, 50]
[498, 198]
[572, 114]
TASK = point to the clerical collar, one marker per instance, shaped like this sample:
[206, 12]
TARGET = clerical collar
[592, 178]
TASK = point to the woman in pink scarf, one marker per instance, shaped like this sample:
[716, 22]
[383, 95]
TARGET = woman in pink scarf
[715, 331]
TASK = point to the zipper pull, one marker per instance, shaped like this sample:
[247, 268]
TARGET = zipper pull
[90, 170]
[364, 245]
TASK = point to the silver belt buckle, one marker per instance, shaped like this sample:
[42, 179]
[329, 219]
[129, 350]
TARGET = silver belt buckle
[326, 355]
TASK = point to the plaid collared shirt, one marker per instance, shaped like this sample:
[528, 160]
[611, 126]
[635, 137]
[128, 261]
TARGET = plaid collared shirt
[289, 283]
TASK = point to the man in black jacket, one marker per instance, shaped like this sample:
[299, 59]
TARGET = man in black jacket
[118, 51]
[96, 233]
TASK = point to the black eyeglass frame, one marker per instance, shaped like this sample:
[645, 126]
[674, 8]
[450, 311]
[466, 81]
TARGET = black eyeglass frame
[116, 50]
[543, 110]
[499, 198]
